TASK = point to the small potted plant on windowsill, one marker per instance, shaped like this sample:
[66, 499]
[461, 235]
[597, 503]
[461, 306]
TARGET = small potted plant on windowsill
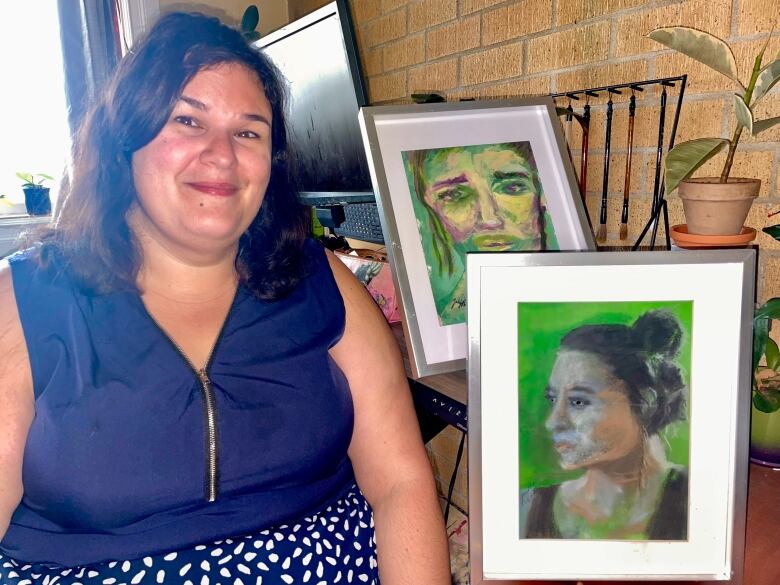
[765, 420]
[717, 205]
[36, 196]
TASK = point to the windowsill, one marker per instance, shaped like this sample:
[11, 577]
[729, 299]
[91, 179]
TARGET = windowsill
[22, 219]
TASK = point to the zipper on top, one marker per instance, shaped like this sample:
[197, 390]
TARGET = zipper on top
[211, 480]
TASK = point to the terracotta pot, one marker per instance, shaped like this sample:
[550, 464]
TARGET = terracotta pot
[684, 239]
[714, 208]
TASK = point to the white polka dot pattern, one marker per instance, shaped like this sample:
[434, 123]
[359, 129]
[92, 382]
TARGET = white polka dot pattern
[335, 546]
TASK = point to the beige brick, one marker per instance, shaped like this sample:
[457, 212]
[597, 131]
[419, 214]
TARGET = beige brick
[769, 266]
[387, 28]
[572, 11]
[499, 63]
[699, 119]
[701, 79]
[752, 164]
[390, 5]
[372, 61]
[577, 46]
[453, 38]
[408, 51]
[469, 6]
[364, 10]
[713, 16]
[429, 13]
[383, 88]
[438, 76]
[601, 75]
[510, 89]
[516, 20]
[756, 16]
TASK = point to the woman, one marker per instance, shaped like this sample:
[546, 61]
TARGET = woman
[611, 390]
[191, 388]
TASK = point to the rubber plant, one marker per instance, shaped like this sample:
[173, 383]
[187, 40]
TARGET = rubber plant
[249, 22]
[766, 377]
[683, 160]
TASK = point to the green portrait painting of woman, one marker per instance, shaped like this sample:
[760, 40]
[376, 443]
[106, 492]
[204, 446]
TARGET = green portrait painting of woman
[474, 198]
[603, 418]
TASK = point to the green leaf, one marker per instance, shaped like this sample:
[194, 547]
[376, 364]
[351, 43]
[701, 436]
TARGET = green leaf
[772, 353]
[46, 176]
[250, 19]
[686, 157]
[767, 79]
[760, 335]
[701, 46]
[772, 230]
[26, 177]
[744, 115]
[761, 125]
[770, 309]
[767, 401]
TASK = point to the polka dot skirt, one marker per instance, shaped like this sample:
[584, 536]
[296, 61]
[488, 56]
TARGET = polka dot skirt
[337, 545]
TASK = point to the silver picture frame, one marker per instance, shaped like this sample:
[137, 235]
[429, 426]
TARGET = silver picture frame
[720, 286]
[434, 346]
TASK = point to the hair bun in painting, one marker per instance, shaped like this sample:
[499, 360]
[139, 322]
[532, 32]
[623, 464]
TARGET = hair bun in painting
[658, 332]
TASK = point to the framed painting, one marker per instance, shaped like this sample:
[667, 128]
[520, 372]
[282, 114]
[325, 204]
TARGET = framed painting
[460, 177]
[609, 411]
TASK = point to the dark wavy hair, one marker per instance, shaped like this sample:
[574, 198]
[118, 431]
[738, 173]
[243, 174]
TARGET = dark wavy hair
[642, 355]
[91, 234]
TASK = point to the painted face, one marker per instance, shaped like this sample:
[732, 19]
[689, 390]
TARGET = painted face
[485, 196]
[202, 179]
[591, 422]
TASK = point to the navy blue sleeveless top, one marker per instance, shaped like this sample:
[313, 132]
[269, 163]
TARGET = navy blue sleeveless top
[116, 464]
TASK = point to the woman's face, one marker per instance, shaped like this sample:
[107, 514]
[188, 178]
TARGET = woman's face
[202, 179]
[591, 422]
[485, 196]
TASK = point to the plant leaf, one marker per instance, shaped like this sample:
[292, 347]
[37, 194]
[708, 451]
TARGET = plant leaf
[767, 401]
[743, 113]
[46, 176]
[772, 353]
[701, 46]
[772, 230]
[761, 125]
[767, 79]
[760, 335]
[770, 309]
[26, 177]
[686, 157]
[250, 19]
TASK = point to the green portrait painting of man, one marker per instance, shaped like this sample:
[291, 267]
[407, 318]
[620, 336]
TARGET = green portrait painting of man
[484, 197]
[604, 422]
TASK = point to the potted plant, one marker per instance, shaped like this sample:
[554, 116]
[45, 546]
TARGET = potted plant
[249, 22]
[717, 205]
[765, 420]
[36, 196]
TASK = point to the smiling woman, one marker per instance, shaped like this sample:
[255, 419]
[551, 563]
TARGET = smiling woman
[195, 390]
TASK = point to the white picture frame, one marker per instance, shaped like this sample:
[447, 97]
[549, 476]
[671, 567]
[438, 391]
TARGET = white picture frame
[392, 134]
[720, 288]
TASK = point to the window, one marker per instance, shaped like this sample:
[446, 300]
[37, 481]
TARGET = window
[34, 133]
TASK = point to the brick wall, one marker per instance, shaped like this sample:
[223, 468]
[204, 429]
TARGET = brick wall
[500, 48]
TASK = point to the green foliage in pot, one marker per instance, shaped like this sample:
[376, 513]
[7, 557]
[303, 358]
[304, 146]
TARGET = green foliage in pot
[32, 180]
[766, 377]
[683, 160]
[249, 22]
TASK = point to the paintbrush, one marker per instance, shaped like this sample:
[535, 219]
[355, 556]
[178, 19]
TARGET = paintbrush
[584, 153]
[601, 234]
[627, 182]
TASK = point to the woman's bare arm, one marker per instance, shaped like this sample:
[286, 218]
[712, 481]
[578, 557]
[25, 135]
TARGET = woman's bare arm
[387, 452]
[16, 400]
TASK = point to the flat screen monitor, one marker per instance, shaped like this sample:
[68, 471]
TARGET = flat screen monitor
[317, 54]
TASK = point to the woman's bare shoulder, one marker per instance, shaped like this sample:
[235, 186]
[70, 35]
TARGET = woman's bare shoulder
[15, 365]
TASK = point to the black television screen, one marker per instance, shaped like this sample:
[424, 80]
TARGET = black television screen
[317, 55]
